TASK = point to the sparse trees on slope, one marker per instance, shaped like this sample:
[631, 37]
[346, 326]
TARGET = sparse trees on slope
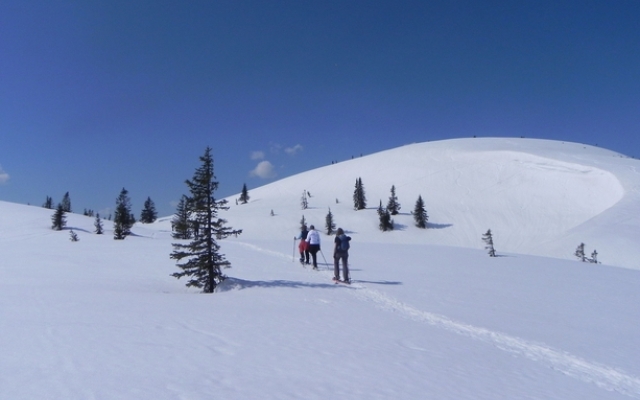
[304, 202]
[149, 213]
[393, 206]
[420, 214]
[488, 240]
[359, 197]
[582, 256]
[123, 219]
[330, 224]
[59, 220]
[73, 236]
[244, 195]
[203, 260]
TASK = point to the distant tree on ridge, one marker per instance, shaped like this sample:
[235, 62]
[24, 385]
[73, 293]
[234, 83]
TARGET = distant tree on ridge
[149, 213]
[488, 240]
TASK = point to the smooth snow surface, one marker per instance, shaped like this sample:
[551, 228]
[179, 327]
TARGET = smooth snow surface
[429, 314]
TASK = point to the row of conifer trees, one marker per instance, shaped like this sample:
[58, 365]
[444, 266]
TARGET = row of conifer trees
[123, 218]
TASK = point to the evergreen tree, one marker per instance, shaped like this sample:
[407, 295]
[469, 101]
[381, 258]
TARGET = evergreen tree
[123, 219]
[98, 224]
[580, 253]
[303, 201]
[244, 195]
[330, 224]
[386, 223]
[66, 203]
[488, 240]
[393, 206]
[303, 224]
[180, 221]
[359, 198]
[73, 236]
[149, 213]
[203, 258]
[48, 203]
[420, 214]
[59, 220]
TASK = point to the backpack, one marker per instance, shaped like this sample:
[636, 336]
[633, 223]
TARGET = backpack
[344, 242]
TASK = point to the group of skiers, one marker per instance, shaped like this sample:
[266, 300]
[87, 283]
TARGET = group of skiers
[310, 245]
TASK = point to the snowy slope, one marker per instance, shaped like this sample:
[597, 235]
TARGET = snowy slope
[538, 197]
[429, 315]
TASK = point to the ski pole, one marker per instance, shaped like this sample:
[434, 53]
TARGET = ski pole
[325, 260]
[293, 254]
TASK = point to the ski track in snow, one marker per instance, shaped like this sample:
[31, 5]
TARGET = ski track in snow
[601, 375]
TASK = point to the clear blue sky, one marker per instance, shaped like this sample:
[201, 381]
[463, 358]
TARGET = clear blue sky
[100, 95]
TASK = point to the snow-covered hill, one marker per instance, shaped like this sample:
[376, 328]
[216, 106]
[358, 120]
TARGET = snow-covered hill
[429, 314]
[538, 197]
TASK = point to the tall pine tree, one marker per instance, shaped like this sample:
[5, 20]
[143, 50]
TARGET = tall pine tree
[98, 224]
[393, 206]
[386, 223]
[244, 195]
[359, 197]
[330, 224]
[487, 238]
[420, 214]
[201, 260]
[123, 219]
[149, 213]
[48, 203]
[580, 253]
[59, 220]
[66, 202]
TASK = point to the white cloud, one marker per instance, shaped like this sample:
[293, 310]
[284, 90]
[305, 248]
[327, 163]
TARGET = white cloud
[257, 155]
[264, 170]
[4, 177]
[294, 150]
[275, 148]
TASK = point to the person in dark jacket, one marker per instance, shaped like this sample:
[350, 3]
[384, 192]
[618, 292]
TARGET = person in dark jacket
[303, 246]
[341, 252]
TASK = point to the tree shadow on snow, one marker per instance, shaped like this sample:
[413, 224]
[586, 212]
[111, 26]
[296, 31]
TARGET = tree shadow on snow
[230, 284]
[399, 227]
[68, 228]
[431, 225]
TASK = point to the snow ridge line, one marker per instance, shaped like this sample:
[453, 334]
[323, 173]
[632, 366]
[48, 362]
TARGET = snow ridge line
[603, 376]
